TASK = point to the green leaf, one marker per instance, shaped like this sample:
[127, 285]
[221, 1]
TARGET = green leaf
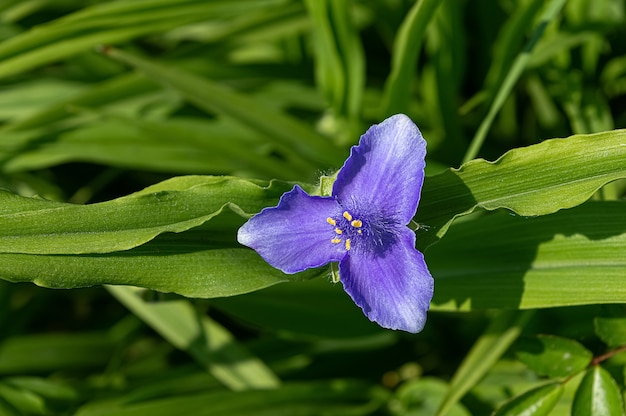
[50, 390]
[104, 23]
[339, 59]
[329, 398]
[187, 268]
[536, 180]
[406, 48]
[210, 344]
[33, 226]
[508, 82]
[572, 257]
[422, 397]
[25, 401]
[199, 147]
[536, 402]
[316, 308]
[23, 100]
[598, 395]
[502, 331]
[54, 352]
[203, 262]
[553, 356]
[112, 92]
[611, 330]
[294, 139]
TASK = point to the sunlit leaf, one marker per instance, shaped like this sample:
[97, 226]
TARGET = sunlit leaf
[536, 402]
[34, 226]
[534, 180]
[572, 257]
[598, 394]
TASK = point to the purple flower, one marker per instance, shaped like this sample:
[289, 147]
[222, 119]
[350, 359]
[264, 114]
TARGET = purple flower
[362, 225]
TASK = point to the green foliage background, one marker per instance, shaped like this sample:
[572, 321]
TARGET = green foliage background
[137, 136]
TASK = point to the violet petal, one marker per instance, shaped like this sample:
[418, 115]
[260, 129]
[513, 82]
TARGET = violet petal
[294, 235]
[394, 289]
[385, 170]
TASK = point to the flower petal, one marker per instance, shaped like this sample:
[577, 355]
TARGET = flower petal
[294, 235]
[394, 289]
[385, 170]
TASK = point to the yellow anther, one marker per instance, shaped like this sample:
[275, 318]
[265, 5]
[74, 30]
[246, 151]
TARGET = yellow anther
[336, 240]
[356, 223]
[347, 215]
[348, 244]
[359, 231]
[331, 221]
[338, 231]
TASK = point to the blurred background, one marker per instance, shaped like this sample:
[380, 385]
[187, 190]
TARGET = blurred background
[99, 99]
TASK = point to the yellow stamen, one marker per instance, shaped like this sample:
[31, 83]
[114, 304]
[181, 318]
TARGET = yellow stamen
[359, 231]
[336, 240]
[348, 244]
[338, 231]
[331, 221]
[357, 223]
[347, 215]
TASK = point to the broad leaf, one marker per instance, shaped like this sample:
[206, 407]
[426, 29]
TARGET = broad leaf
[598, 395]
[553, 356]
[536, 402]
[611, 330]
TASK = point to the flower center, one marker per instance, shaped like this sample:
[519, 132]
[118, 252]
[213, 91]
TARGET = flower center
[345, 229]
[373, 233]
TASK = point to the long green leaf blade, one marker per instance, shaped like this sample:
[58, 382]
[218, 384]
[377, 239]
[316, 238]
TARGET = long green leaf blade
[284, 130]
[34, 226]
[209, 343]
[516, 70]
[406, 48]
[572, 257]
[535, 180]
[502, 331]
[179, 268]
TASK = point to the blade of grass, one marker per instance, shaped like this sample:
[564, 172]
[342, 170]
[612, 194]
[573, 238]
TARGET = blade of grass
[309, 148]
[502, 331]
[406, 48]
[520, 63]
[210, 344]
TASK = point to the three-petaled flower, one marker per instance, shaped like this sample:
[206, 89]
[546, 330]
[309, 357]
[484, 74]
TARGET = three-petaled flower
[362, 225]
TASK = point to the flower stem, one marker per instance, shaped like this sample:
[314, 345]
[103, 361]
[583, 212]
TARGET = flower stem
[610, 354]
